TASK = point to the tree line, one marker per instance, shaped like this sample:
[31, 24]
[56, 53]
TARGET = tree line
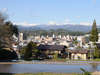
[62, 32]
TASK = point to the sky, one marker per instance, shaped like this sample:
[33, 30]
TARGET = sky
[35, 12]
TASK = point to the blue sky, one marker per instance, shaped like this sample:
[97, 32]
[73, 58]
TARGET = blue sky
[51, 11]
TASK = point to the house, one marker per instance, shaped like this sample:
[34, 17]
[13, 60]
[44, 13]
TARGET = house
[51, 50]
[78, 54]
[99, 37]
[98, 45]
[66, 43]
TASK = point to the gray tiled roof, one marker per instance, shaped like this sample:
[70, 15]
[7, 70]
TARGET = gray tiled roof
[52, 47]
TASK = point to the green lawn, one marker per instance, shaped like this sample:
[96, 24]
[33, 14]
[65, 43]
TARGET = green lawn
[96, 59]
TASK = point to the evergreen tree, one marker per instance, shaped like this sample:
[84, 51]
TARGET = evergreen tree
[94, 33]
[94, 39]
[30, 50]
[96, 52]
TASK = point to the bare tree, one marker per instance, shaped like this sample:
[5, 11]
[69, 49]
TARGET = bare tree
[7, 29]
[3, 18]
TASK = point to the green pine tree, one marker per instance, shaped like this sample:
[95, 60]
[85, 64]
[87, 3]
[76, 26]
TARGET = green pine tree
[94, 39]
[30, 50]
[94, 33]
[96, 52]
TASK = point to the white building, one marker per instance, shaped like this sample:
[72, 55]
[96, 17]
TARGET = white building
[20, 37]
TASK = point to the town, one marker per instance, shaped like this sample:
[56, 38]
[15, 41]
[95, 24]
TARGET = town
[64, 47]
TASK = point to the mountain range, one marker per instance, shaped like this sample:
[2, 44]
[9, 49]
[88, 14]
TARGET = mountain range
[81, 28]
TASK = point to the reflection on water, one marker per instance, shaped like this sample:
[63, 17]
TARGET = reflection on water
[33, 68]
[94, 66]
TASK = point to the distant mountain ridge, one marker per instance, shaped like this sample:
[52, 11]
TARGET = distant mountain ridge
[81, 28]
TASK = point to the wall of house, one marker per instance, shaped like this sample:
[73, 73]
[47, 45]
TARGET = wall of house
[78, 56]
[52, 51]
[55, 53]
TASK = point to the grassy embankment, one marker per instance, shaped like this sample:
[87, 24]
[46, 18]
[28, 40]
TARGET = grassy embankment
[96, 59]
[40, 74]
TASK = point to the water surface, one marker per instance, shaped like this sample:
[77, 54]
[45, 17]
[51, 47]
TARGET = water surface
[34, 68]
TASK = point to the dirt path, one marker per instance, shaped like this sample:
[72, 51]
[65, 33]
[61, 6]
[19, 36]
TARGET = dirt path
[96, 73]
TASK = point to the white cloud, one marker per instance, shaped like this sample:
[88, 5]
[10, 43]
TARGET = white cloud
[52, 23]
[67, 20]
[4, 10]
[70, 23]
[85, 23]
[25, 24]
